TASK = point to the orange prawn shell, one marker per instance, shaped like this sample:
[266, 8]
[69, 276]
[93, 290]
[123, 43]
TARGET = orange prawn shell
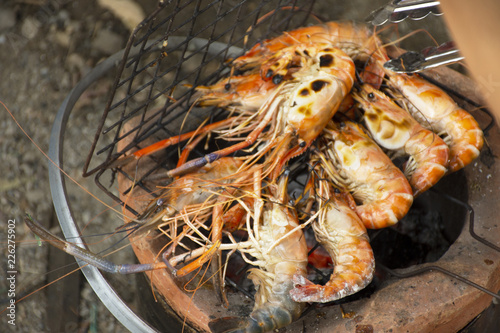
[382, 188]
[356, 40]
[437, 111]
[394, 129]
[345, 35]
[315, 102]
[249, 91]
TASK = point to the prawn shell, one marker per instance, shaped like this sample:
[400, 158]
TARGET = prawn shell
[319, 93]
[248, 92]
[394, 129]
[437, 111]
[381, 188]
[344, 236]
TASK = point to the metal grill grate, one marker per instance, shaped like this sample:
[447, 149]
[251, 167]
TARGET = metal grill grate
[181, 45]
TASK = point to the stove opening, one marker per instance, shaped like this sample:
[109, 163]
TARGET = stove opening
[428, 230]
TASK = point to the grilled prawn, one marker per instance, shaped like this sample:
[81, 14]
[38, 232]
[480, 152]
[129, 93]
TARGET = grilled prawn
[341, 232]
[279, 247]
[435, 110]
[183, 194]
[297, 111]
[355, 162]
[394, 129]
[355, 40]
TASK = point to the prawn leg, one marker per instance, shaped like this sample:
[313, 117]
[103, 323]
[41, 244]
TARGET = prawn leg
[198, 262]
[86, 255]
[157, 146]
[218, 223]
[197, 163]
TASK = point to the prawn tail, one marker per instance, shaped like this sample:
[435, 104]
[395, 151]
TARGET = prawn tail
[468, 140]
[263, 319]
[354, 269]
[377, 215]
[342, 285]
[428, 162]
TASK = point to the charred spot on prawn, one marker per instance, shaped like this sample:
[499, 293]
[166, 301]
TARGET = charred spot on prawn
[304, 92]
[305, 110]
[318, 85]
[326, 60]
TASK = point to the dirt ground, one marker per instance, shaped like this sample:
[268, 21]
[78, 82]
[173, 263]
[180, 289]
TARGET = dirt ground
[46, 47]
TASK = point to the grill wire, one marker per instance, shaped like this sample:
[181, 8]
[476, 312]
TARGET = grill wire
[184, 44]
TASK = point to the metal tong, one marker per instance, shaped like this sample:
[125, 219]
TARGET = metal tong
[398, 10]
[412, 62]
[430, 57]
